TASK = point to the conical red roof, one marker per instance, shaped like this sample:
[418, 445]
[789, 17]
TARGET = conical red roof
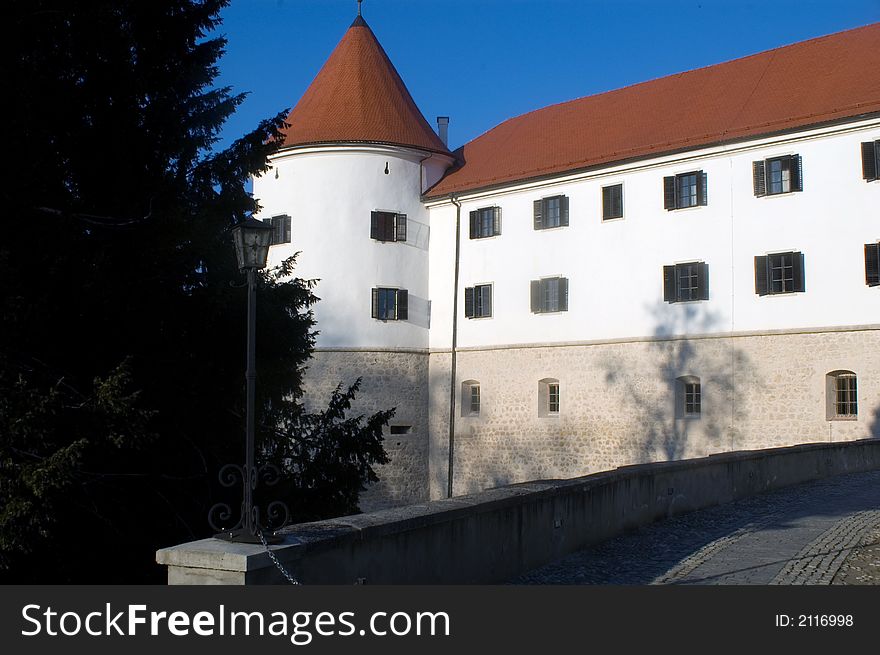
[358, 96]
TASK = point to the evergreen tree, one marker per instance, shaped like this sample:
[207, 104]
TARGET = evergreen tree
[122, 314]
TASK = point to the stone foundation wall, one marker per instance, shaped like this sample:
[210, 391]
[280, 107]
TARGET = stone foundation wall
[389, 379]
[617, 403]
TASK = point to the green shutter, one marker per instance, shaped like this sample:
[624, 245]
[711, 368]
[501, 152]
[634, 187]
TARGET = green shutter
[797, 271]
[402, 304]
[759, 178]
[400, 227]
[869, 160]
[703, 281]
[563, 210]
[796, 172]
[535, 295]
[496, 221]
[669, 284]
[563, 294]
[538, 215]
[761, 276]
[375, 311]
[375, 226]
[669, 193]
[702, 188]
[872, 264]
[475, 222]
[469, 302]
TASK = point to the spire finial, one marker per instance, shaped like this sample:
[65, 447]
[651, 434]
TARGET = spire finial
[359, 7]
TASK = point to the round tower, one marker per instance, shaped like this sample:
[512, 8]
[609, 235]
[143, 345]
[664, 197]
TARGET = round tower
[345, 191]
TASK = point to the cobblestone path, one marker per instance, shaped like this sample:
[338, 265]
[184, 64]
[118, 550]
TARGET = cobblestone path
[824, 532]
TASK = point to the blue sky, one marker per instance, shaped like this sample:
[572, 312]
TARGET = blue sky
[483, 61]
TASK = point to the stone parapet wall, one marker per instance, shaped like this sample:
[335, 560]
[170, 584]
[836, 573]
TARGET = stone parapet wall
[618, 403]
[388, 379]
[495, 535]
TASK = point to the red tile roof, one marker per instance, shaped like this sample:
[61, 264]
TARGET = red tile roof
[358, 96]
[824, 79]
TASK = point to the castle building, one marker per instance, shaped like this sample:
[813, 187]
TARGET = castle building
[673, 269]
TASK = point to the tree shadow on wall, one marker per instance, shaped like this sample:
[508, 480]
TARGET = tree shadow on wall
[653, 391]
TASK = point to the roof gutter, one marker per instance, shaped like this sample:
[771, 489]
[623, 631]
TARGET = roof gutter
[454, 198]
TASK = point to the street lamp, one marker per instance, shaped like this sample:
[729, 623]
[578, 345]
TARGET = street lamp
[252, 239]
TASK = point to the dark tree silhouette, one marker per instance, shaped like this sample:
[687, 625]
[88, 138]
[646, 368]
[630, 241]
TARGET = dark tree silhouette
[121, 331]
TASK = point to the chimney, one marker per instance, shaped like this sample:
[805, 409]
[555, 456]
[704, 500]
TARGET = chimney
[443, 129]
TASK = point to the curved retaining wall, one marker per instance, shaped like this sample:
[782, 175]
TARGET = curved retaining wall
[495, 535]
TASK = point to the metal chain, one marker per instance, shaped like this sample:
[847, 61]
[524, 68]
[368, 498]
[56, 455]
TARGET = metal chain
[274, 559]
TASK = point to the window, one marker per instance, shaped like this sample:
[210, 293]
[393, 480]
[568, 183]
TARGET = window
[684, 190]
[478, 301]
[842, 395]
[684, 282]
[390, 304]
[777, 175]
[871, 160]
[872, 264]
[485, 222]
[400, 429]
[549, 295]
[387, 226]
[551, 212]
[688, 401]
[470, 398]
[548, 397]
[280, 229]
[781, 272]
[612, 202]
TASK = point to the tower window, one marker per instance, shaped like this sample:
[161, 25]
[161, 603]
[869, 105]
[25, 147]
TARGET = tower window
[390, 304]
[387, 226]
[280, 229]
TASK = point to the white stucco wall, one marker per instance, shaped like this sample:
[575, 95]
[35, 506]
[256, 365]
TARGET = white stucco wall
[615, 267]
[329, 193]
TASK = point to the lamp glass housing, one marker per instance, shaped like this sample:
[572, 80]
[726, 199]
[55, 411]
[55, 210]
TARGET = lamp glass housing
[252, 239]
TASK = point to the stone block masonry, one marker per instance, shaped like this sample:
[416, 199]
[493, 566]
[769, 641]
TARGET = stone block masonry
[618, 402]
[397, 379]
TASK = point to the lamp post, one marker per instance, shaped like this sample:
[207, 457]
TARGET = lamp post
[252, 239]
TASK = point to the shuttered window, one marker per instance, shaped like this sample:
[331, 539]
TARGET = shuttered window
[387, 226]
[280, 229]
[777, 175]
[478, 301]
[612, 202]
[685, 190]
[549, 295]
[550, 212]
[872, 264]
[871, 160]
[685, 282]
[485, 222]
[390, 304]
[779, 273]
